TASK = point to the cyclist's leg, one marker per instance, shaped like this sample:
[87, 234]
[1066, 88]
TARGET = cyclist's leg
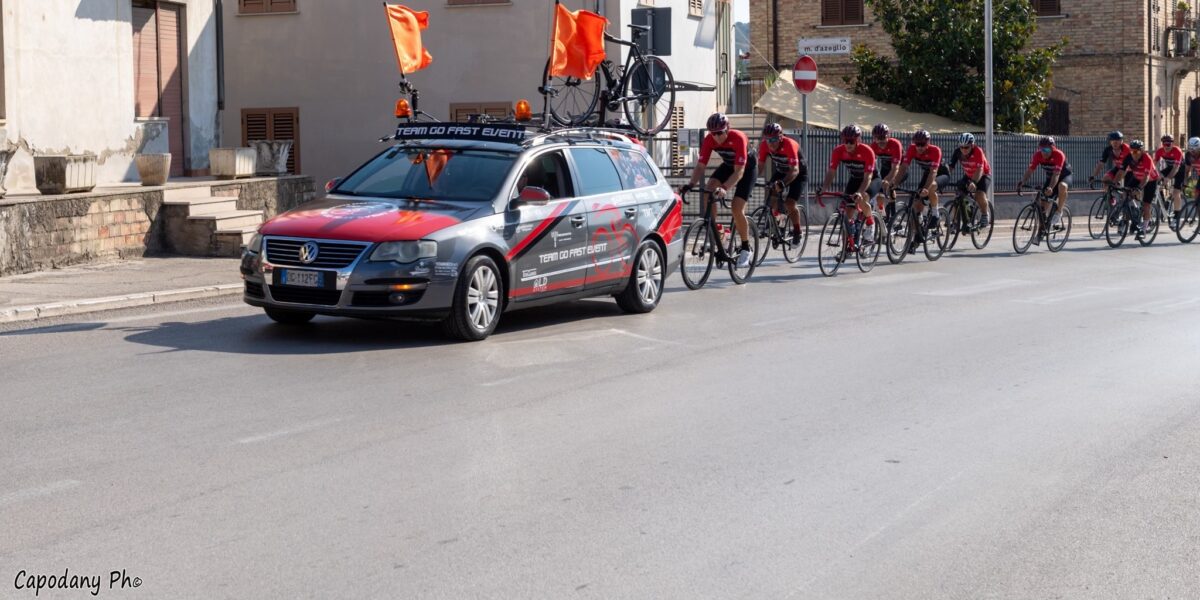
[981, 190]
[793, 197]
[1177, 191]
[875, 192]
[718, 179]
[740, 195]
[1148, 196]
[1064, 188]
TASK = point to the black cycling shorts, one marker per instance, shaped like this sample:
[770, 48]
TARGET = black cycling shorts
[792, 191]
[1149, 192]
[984, 183]
[853, 185]
[745, 184]
[1065, 179]
[1179, 178]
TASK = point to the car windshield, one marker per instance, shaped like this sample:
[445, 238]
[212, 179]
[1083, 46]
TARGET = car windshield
[431, 174]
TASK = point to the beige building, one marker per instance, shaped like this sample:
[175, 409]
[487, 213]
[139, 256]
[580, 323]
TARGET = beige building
[324, 71]
[1126, 65]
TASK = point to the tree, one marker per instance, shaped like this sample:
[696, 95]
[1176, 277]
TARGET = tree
[939, 64]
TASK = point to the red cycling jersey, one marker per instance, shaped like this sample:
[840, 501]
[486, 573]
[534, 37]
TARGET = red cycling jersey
[786, 156]
[972, 162]
[1171, 156]
[1143, 168]
[888, 155]
[733, 152]
[929, 158]
[1118, 157]
[1054, 163]
[861, 161]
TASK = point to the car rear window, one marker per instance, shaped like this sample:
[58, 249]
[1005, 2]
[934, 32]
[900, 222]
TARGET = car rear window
[634, 170]
[431, 173]
[597, 175]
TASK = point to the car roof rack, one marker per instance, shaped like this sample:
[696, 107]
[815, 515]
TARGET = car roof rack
[596, 134]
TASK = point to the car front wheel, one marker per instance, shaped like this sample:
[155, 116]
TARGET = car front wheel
[646, 282]
[478, 300]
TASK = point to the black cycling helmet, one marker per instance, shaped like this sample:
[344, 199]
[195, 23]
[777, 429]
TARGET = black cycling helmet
[1136, 145]
[1046, 141]
[1167, 138]
[851, 133]
[920, 136]
[718, 122]
[772, 130]
[880, 130]
[1115, 136]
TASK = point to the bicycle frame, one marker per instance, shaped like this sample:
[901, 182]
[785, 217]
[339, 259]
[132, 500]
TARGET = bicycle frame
[614, 84]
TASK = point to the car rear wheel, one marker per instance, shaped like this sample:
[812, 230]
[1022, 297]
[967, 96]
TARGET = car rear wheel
[289, 317]
[646, 282]
[478, 300]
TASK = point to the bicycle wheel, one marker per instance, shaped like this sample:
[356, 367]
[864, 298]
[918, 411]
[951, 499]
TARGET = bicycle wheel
[981, 236]
[1025, 229]
[1117, 226]
[954, 224]
[1058, 236]
[649, 95]
[868, 249]
[698, 255]
[1098, 216]
[762, 223]
[733, 245]
[793, 249]
[1189, 223]
[1156, 218]
[831, 249]
[898, 236]
[572, 100]
[936, 237]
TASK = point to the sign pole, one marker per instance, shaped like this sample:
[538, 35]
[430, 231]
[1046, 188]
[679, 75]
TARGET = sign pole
[804, 77]
[804, 141]
[988, 101]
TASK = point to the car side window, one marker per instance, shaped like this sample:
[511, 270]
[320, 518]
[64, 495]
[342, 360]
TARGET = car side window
[549, 172]
[634, 170]
[597, 175]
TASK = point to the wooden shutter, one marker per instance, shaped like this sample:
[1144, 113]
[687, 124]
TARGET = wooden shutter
[145, 62]
[281, 5]
[276, 124]
[696, 8]
[252, 6]
[170, 74]
[831, 12]
[1048, 8]
[678, 160]
[852, 12]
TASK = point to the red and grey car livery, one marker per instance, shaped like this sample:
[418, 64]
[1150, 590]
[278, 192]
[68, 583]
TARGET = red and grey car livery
[459, 223]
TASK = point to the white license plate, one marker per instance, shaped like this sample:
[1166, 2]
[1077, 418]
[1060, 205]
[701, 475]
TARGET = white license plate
[302, 278]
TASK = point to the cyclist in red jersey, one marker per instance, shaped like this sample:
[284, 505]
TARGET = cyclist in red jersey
[788, 170]
[929, 158]
[860, 164]
[1171, 157]
[888, 153]
[1139, 172]
[1058, 175]
[977, 173]
[738, 168]
[1115, 151]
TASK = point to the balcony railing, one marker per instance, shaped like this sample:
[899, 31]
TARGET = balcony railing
[1181, 41]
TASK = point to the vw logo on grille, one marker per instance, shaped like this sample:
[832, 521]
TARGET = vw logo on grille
[308, 252]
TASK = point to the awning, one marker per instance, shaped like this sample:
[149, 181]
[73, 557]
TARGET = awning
[784, 100]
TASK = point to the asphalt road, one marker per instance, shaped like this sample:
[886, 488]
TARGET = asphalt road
[986, 426]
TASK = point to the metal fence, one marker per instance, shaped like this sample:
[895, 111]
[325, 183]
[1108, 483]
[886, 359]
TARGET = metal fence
[1010, 159]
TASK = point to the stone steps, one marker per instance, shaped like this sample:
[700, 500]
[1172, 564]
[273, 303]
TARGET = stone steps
[207, 225]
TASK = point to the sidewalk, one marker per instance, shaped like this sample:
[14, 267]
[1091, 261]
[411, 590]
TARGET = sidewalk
[113, 285]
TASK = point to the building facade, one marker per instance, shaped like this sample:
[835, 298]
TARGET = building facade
[111, 78]
[327, 71]
[1128, 64]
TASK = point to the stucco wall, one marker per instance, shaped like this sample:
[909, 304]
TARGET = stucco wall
[69, 82]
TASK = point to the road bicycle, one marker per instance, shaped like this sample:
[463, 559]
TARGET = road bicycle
[906, 229]
[1164, 209]
[1127, 216]
[705, 243]
[841, 238]
[643, 88]
[775, 227]
[963, 217]
[1101, 206]
[1033, 224]
[1189, 222]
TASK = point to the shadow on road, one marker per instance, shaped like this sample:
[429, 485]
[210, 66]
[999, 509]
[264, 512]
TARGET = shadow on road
[61, 328]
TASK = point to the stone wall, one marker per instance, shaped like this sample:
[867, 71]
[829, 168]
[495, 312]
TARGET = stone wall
[46, 232]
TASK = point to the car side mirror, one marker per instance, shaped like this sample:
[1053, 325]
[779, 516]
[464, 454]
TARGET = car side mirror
[532, 195]
[332, 183]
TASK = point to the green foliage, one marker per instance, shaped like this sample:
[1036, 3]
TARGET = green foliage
[939, 64]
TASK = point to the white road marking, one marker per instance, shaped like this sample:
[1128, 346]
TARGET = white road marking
[1163, 307]
[644, 338]
[881, 279]
[176, 313]
[45, 490]
[505, 380]
[254, 439]
[774, 322]
[979, 288]
[1063, 296]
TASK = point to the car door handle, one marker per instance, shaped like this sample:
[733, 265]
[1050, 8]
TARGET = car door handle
[578, 221]
[630, 213]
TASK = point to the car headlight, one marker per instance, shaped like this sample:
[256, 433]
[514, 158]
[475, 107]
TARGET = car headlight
[255, 245]
[404, 252]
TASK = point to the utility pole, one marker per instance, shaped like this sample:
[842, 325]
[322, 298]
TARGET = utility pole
[989, 107]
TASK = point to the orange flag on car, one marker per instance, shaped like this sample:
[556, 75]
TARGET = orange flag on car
[578, 43]
[406, 25]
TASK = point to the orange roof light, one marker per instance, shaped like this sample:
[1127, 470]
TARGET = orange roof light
[402, 109]
[524, 112]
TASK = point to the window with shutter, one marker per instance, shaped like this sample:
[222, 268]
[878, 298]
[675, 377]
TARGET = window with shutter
[276, 124]
[842, 12]
[696, 8]
[252, 7]
[1047, 8]
[678, 158]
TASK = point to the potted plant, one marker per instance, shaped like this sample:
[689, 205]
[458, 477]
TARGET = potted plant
[64, 173]
[1181, 11]
[153, 169]
[1192, 49]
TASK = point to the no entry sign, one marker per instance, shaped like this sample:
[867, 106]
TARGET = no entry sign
[804, 74]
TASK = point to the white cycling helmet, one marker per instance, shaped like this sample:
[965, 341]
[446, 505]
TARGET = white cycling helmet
[1194, 144]
[965, 139]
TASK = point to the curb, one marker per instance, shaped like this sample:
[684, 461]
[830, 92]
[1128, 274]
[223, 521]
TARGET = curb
[75, 307]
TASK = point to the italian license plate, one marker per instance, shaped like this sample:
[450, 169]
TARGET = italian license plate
[312, 279]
